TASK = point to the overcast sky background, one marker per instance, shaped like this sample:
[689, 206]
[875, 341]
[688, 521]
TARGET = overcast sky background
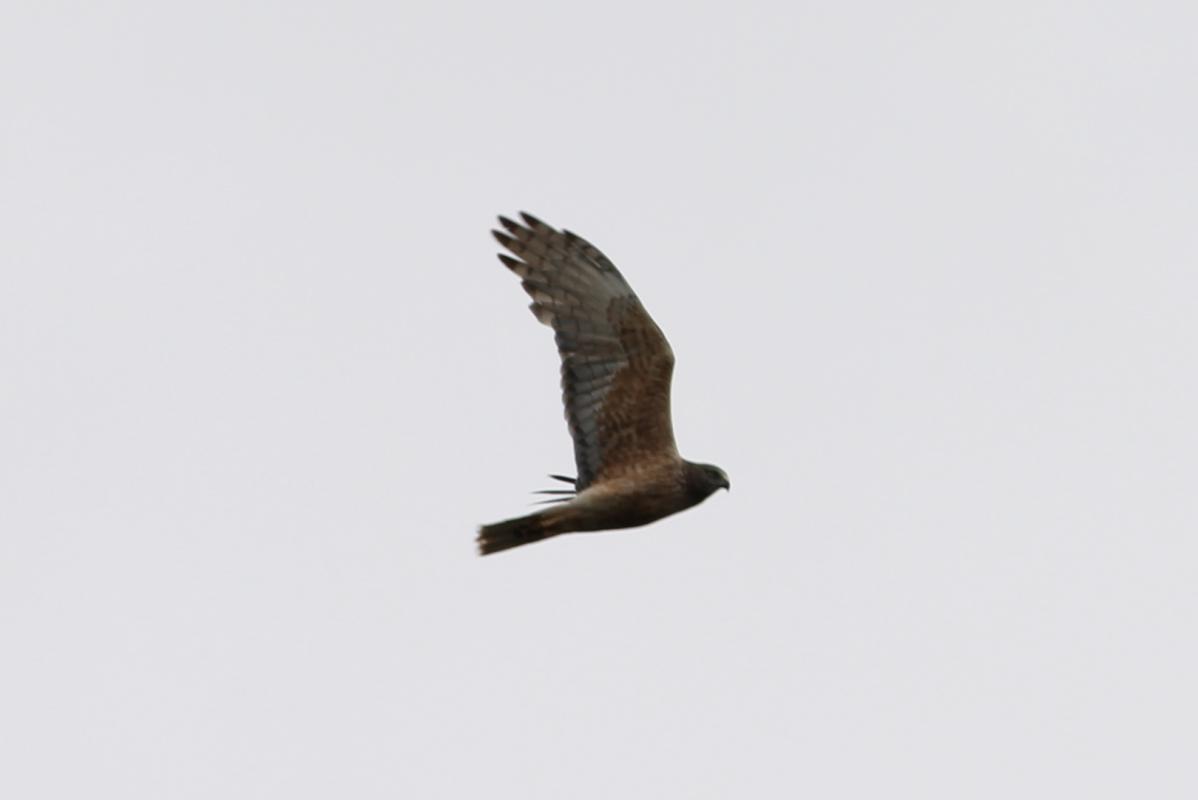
[930, 271]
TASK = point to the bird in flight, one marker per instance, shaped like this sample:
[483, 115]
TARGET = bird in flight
[616, 368]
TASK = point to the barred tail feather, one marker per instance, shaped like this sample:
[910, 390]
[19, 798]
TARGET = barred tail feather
[515, 532]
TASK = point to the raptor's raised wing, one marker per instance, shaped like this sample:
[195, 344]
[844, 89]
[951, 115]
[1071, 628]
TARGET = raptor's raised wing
[616, 364]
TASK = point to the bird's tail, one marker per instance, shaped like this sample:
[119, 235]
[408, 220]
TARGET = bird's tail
[522, 530]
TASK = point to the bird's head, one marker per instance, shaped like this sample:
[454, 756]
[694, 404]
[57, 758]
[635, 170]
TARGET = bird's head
[704, 479]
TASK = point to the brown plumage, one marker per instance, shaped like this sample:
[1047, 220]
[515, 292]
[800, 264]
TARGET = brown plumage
[616, 369]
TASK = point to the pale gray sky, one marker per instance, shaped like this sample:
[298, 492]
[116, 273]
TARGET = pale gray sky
[930, 274]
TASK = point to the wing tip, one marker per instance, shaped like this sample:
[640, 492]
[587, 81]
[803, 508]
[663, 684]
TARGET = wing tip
[511, 243]
[533, 222]
[514, 264]
[512, 226]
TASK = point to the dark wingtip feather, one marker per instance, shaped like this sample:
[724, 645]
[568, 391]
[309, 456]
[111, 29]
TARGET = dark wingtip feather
[564, 479]
[512, 226]
[506, 241]
[532, 221]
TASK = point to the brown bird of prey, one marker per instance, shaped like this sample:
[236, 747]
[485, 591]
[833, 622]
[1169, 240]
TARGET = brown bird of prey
[616, 368]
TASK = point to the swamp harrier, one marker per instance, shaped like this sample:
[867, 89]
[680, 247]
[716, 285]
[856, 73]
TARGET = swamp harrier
[616, 368]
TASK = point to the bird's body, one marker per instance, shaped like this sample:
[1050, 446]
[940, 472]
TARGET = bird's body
[616, 370]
